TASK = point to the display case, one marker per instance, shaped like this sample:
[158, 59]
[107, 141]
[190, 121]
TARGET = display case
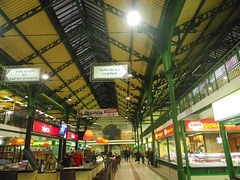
[11, 152]
[212, 159]
[163, 149]
[172, 149]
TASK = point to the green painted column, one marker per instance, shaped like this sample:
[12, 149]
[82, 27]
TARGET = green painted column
[142, 145]
[77, 130]
[33, 91]
[230, 168]
[137, 137]
[181, 173]
[153, 137]
[64, 140]
[185, 150]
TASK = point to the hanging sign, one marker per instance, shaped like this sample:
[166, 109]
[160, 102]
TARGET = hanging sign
[45, 128]
[98, 113]
[227, 107]
[207, 125]
[71, 135]
[165, 132]
[109, 71]
[18, 75]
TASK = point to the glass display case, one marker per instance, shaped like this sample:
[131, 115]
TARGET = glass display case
[212, 159]
[163, 149]
[172, 149]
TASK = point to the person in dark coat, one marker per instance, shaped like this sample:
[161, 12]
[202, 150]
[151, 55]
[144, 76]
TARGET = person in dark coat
[66, 161]
[138, 155]
[143, 158]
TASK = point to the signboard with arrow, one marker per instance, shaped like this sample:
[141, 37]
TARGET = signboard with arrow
[110, 71]
[19, 75]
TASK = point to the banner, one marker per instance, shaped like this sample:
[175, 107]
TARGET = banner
[71, 135]
[165, 132]
[98, 113]
[207, 125]
[45, 128]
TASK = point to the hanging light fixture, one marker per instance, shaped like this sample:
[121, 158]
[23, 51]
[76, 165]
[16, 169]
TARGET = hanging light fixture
[105, 141]
[46, 143]
[20, 141]
[88, 135]
[31, 141]
[99, 140]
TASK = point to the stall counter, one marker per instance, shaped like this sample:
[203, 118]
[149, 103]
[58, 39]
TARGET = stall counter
[83, 173]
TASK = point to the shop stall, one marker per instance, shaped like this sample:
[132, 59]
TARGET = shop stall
[166, 148]
[205, 147]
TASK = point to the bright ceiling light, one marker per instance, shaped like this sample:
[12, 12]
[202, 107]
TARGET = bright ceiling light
[128, 98]
[45, 76]
[133, 18]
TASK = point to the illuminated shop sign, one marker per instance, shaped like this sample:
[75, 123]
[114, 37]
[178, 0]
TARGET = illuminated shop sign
[165, 132]
[71, 135]
[45, 128]
[207, 125]
[227, 107]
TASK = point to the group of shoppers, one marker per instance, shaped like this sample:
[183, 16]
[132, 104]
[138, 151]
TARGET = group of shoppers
[139, 155]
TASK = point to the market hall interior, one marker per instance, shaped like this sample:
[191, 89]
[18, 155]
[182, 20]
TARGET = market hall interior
[91, 89]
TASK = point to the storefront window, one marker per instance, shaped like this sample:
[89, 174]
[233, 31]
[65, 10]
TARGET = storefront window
[172, 149]
[163, 149]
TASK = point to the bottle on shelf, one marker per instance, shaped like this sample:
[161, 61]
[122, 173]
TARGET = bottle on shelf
[42, 165]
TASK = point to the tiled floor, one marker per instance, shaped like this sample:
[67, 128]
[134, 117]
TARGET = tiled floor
[134, 171]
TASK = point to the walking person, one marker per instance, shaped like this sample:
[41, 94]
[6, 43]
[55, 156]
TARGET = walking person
[138, 155]
[143, 158]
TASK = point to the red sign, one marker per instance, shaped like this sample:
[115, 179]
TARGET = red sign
[165, 132]
[45, 128]
[207, 125]
[71, 135]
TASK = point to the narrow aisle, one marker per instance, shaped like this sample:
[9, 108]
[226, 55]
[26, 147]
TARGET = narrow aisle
[134, 171]
[124, 172]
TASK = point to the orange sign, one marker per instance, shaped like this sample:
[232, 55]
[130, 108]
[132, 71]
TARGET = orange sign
[165, 132]
[207, 125]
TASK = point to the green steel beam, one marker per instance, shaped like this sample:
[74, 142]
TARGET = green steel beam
[206, 37]
[213, 17]
[180, 41]
[116, 43]
[13, 22]
[58, 27]
[194, 23]
[68, 63]
[34, 49]
[76, 31]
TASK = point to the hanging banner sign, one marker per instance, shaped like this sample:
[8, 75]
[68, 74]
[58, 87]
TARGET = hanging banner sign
[98, 113]
[227, 107]
[45, 128]
[109, 71]
[18, 75]
[207, 125]
[71, 135]
[165, 132]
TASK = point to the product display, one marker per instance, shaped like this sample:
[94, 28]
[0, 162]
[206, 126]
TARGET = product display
[212, 159]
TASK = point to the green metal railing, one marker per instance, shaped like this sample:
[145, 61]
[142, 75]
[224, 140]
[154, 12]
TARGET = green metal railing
[227, 69]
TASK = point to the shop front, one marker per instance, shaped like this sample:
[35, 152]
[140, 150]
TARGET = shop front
[166, 148]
